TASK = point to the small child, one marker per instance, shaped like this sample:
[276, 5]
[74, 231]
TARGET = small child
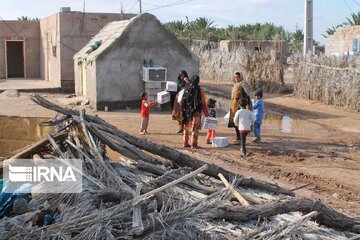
[243, 119]
[145, 112]
[258, 106]
[212, 113]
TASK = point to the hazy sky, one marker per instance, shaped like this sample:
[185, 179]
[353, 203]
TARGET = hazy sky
[286, 13]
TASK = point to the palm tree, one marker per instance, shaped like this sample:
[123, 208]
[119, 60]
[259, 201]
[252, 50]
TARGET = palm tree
[355, 19]
[231, 31]
[329, 31]
[202, 27]
[297, 39]
[178, 28]
[26, 18]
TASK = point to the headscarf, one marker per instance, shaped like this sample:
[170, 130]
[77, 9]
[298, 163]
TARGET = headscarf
[191, 102]
[182, 82]
[242, 84]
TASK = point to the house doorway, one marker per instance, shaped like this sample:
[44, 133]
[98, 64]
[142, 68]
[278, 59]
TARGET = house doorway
[15, 62]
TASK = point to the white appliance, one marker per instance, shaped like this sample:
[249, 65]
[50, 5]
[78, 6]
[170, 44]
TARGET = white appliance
[154, 74]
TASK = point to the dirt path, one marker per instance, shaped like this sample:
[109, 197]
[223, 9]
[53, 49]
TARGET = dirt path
[303, 142]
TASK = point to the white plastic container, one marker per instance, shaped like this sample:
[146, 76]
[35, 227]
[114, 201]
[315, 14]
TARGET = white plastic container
[209, 123]
[220, 142]
[163, 97]
[171, 86]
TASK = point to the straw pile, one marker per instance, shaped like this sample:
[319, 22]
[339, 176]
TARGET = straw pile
[160, 193]
[261, 69]
[332, 80]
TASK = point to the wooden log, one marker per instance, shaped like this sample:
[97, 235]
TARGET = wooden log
[326, 216]
[183, 178]
[137, 219]
[117, 144]
[233, 191]
[55, 121]
[159, 171]
[289, 228]
[177, 157]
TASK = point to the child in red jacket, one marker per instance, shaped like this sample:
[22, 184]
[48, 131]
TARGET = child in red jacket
[145, 112]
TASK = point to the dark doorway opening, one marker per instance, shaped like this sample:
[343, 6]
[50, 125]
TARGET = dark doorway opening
[15, 59]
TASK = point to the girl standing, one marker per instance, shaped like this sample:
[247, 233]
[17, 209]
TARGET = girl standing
[193, 105]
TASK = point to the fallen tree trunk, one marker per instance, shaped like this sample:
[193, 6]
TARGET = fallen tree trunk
[327, 216]
[177, 157]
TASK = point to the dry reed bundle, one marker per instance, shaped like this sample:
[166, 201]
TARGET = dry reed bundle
[332, 80]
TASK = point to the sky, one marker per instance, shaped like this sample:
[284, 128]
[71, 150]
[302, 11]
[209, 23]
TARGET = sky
[286, 13]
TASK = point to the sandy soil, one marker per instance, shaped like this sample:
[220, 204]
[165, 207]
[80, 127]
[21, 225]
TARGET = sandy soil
[303, 142]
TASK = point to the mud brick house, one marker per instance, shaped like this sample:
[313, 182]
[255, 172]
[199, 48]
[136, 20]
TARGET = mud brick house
[44, 49]
[128, 57]
[345, 41]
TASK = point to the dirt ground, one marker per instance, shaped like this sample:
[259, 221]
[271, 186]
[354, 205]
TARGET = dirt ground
[302, 142]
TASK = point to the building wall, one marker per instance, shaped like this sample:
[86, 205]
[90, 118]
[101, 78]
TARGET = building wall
[30, 32]
[341, 42]
[119, 82]
[76, 30]
[90, 81]
[50, 49]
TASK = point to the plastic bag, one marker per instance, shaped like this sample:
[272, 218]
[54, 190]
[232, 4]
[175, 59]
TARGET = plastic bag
[181, 95]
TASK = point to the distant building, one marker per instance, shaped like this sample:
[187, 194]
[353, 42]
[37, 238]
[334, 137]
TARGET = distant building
[44, 49]
[257, 45]
[111, 72]
[345, 41]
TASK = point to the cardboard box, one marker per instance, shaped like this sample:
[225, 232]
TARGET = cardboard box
[220, 142]
[209, 123]
[171, 86]
[163, 97]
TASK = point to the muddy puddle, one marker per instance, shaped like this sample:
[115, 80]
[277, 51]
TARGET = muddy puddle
[18, 132]
[292, 126]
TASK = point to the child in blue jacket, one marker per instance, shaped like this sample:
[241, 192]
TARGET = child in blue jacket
[258, 107]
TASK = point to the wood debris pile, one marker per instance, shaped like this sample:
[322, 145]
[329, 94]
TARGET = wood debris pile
[160, 193]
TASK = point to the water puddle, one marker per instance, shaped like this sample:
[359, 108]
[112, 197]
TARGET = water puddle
[294, 126]
[18, 132]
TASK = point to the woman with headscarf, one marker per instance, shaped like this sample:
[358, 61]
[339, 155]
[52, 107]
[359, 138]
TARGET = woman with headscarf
[193, 105]
[240, 89]
[183, 82]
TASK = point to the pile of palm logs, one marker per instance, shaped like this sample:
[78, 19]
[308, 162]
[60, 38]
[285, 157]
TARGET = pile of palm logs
[156, 192]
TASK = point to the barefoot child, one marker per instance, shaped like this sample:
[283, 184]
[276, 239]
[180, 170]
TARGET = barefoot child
[145, 112]
[243, 119]
[258, 106]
